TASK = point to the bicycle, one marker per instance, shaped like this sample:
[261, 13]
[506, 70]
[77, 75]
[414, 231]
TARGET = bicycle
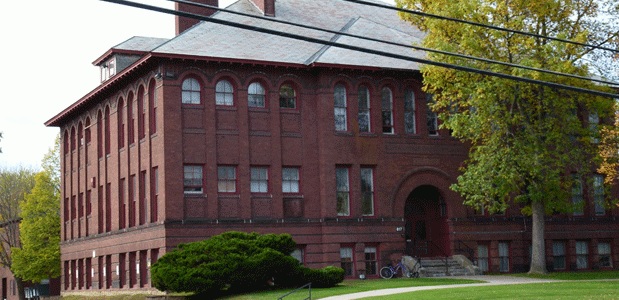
[388, 271]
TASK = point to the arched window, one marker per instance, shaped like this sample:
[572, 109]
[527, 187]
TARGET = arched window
[431, 117]
[287, 96]
[409, 112]
[131, 119]
[141, 114]
[224, 94]
[363, 118]
[120, 114]
[255, 95]
[387, 110]
[190, 91]
[107, 130]
[152, 108]
[339, 107]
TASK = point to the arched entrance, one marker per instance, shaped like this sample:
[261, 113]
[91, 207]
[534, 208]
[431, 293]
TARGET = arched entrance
[426, 231]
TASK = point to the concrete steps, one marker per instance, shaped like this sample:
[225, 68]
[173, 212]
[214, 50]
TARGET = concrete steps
[456, 265]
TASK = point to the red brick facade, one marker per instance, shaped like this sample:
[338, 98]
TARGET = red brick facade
[127, 198]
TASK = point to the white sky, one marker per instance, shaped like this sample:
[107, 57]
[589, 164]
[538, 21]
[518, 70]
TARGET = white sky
[47, 49]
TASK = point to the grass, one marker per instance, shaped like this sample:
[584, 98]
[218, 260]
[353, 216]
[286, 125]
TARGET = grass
[581, 285]
[556, 290]
[352, 286]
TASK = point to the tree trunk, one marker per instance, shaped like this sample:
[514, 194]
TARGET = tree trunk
[20, 288]
[538, 249]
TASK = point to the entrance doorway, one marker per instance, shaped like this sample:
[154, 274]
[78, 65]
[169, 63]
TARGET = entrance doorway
[426, 231]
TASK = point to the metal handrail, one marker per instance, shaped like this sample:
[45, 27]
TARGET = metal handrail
[309, 285]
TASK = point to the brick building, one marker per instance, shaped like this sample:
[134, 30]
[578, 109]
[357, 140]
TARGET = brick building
[222, 128]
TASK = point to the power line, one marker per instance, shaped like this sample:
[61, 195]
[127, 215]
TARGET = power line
[483, 25]
[360, 49]
[513, 65]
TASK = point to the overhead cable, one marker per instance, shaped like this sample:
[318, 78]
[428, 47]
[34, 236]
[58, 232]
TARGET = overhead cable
[513, 65]
[483, 25]
[360, 49]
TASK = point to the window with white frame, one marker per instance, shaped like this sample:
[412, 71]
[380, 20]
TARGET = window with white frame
[342, 191]
[339, 107]
[287, 96]
[371, 265]
[363, 117]
[431, 117]
[482, 257]
[503, 257]
[577, 196]
[190, 91]
[226, 179]
[598, 195]
[346, 257]
[410, 125]
[558, 255]
[604, 255]
[193, 179]
[387, 110]
[367, 191]
[224, 94]
[259, 180]
[290, 180]
[582, 255]
[256, 95]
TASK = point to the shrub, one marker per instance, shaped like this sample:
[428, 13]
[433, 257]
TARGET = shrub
[236, 262]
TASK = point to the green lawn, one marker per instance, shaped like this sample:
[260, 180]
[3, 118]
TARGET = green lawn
[557, 290]
[352, 286]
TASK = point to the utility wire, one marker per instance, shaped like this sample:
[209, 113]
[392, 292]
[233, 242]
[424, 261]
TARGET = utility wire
[483, 25]
[396, 44]
[360, 49]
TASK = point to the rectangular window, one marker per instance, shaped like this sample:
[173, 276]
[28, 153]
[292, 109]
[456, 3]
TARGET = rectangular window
[299, 254]
[482, 258]
[154, 194]
[142, 199]
[343, 191]
[558, 255]
[367, 191]
[598, 195]
[122, 204]
[370, 261]
[503, 257]
[582, 255]
[577, 196]
[290, 180]
[193, 179]
[364, 109]
[132, 199]
[226, 179]
[259, 180]
[432, 119]
[339, 110]
[346, 260]
[605, 259]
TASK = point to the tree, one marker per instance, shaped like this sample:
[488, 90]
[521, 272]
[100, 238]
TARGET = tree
[39, 256]
[529, 143]
[14, 185]
[235, 262]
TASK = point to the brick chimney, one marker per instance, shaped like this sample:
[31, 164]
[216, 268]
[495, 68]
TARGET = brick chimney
[183, 23]
[267, 6]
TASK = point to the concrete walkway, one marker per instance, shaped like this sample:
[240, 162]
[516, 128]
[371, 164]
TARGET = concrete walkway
[489, 280]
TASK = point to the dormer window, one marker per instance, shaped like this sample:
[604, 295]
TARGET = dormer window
[108, 69]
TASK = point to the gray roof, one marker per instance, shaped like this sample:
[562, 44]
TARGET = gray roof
[140, 43]
[221, 41]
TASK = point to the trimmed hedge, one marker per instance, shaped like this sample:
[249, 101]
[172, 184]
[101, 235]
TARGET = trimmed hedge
[235, 262]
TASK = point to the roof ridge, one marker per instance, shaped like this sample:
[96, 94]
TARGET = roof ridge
[335, 37]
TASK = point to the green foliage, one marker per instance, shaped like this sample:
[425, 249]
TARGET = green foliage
[526, 141]
[39, 256]
[51, 163]
[234, 262]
